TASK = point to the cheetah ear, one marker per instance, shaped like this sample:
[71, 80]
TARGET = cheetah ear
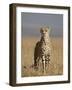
[49, 29]
[41, 30]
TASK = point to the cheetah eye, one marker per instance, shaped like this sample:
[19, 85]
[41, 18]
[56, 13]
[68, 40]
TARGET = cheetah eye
[46, 30]
[41, 30]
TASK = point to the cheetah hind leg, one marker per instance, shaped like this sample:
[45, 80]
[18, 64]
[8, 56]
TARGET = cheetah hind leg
[36, 66]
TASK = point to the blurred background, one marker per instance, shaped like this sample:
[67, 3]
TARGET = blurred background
[32, 22]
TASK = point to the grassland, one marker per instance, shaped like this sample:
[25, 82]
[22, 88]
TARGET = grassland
[27, 57]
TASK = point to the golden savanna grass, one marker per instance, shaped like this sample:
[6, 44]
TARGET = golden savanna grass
[27, 57]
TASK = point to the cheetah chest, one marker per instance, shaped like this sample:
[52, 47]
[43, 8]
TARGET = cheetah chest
[45, 48]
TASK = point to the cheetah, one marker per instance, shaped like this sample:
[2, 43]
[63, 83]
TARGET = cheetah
[42, 50]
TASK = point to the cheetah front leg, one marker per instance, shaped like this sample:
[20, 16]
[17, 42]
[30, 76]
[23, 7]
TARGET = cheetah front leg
[43, 64]
[47, 61]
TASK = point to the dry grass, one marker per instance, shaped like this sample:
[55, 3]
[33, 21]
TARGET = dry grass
[27, 58]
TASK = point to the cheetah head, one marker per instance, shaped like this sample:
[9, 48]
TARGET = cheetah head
[45, 31]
